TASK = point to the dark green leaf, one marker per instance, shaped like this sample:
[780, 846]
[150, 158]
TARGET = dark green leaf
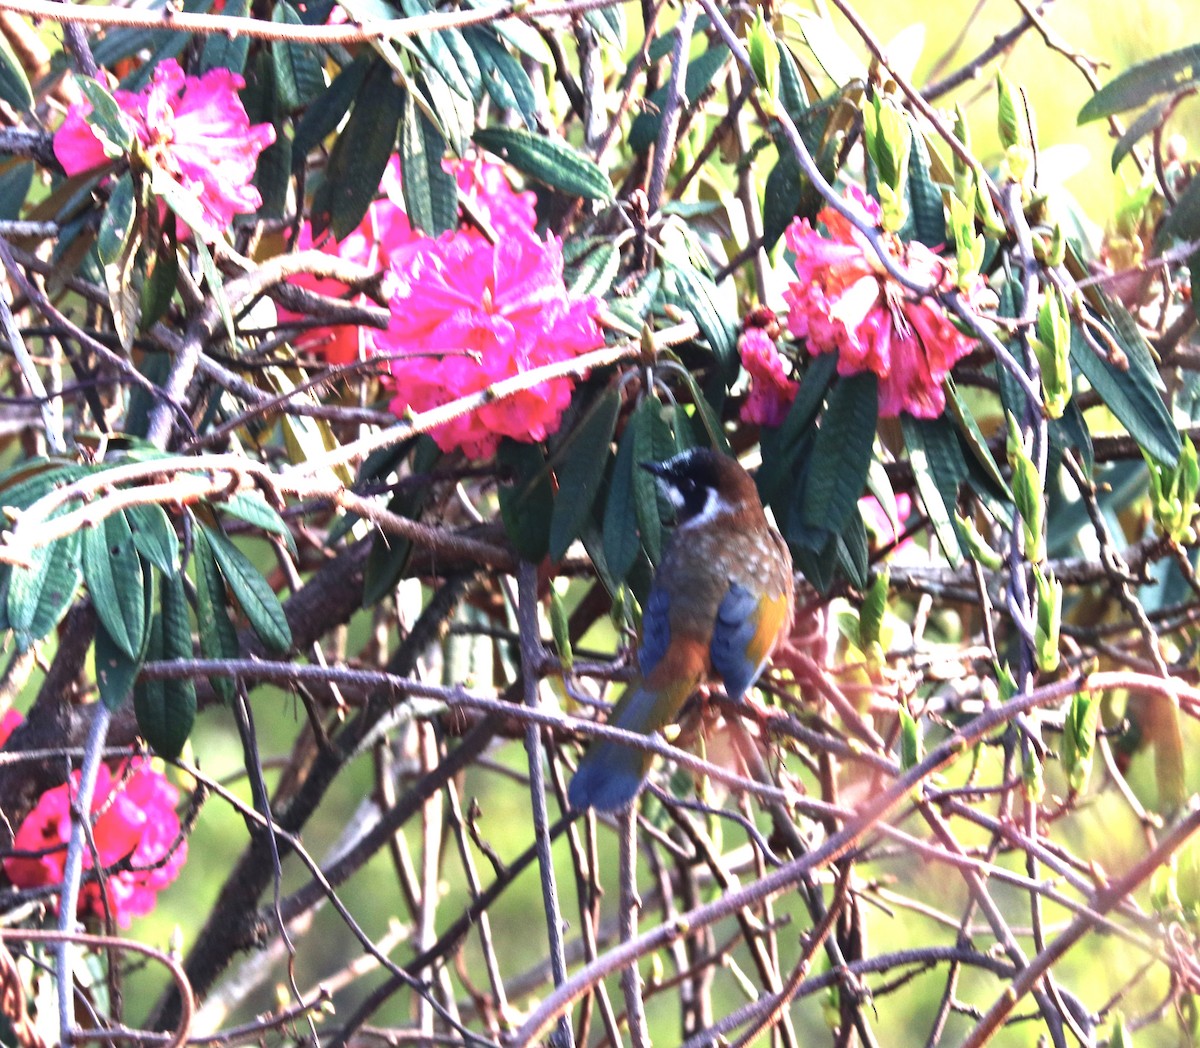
[927, 215]
[1183, 220]
[527, 499]
[781, 196]
[218, 638]
[159, 286]
[166, 709]
[1138, 130]
[779, 448]
[504, 78]
[257, 600]
[16, 178]
[273, 176]
[939, 467]
[113, 572]
[593, 271]
[226, 51]
[697, 294]
[154, 537]
[702, 73]
[841, 456]
[14, 85]
[254, 509]
[390, 554]
[609, 24]
[39, 595]
[1130, 393]
[323, 116]
[297, 67]
[115, 670]
[714, 432]
[550, 160]
[1164, 73]
[792, 91]
[580, 469]
[106, 119]
[622, 540]
[653, 441]
[430, 192]
[360, 155]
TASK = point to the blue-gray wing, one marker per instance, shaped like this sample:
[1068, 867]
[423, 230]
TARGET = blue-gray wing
[733, 636]
[656, 630]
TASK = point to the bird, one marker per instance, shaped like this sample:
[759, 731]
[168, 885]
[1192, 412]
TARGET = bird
[721, 600]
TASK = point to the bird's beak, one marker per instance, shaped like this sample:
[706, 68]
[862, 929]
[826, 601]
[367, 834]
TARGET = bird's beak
[657, 468]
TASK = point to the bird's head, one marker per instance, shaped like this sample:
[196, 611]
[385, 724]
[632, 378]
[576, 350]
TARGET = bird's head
[704, 485]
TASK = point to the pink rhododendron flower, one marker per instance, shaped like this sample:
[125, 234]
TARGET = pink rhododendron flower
[878, 524]
[844, 299]
[134, 819]
[384, 237]
[467, 313]
[771, 391]
[193, 130]
[9, 723]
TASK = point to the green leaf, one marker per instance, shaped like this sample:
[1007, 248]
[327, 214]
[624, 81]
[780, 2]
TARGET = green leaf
[526, 498]
[113, 572]
[39, 595]
[1130, 393]
[14, 85]
[297, 67]
[841, 455]
[696, 294]
[254, 509]
[226, 51]
[580, 470]
[166, 709]
[322, 117]
[390, 554]
[257, 600]
[939, 467]
[927, 214]
[1171, 72]
[549, 160]
[16, 178]
[504, 78]
[216, 287]
[117, 246]
[702, 73]
[430, 192]
[218, 638]
[592, 267]
[781, 197]
[154, 536]
[910, 740]
[1079, 740]
[1183, 220]
[1135, 132]
[622, 540]
[653, 441]
[360, 154]
[115, 670]
[780, 448]
[159, 286]
[106, 119]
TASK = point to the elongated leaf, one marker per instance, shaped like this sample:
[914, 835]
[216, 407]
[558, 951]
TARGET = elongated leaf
[218, 638]
[1135, 132]
[550, 160]
[581, 470]
[1136, 86]
[504, 78]
[702, 73]
[697, 294]
[256, 599]
[113, 572]
[653, 441]
[622, 539]
[14, 85]
[360, 155]
[297, 67]
[166, 709]
[390, 554]
[254, 509]
[927, 215]
[323, 116]
[116, 672]
[154, 536]
[780, 447]
[106, 120]
[227, 52]
[430, 192]
[939, 467]
[841, 455]
[1130, 394]
[39, 595]
[527, 500]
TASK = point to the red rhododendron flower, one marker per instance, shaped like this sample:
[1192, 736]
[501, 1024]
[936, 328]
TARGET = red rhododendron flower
[134, 819]
[193, 130]
[383, 238]
[467, 313]
[844, 299]
[771, 391]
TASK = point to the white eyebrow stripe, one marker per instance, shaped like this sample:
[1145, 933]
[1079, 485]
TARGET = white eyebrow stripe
[715, 507]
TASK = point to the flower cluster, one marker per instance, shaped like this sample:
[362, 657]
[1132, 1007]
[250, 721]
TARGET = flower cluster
[466, 313]
[843, 299]
[134, 822]
[193, 131]
[384, 237]
[771, 390]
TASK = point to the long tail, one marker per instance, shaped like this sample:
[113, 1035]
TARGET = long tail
[610, 773]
